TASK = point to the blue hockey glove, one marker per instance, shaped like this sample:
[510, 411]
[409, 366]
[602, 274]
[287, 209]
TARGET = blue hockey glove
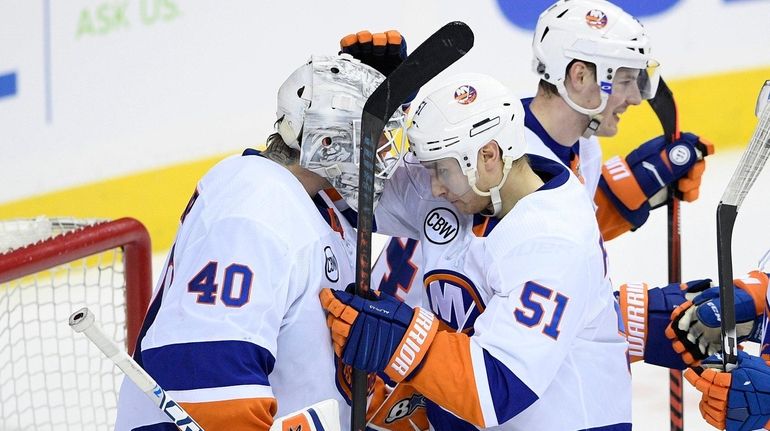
[639, 181]
[646, 314]
[695, 325]
[381, 334]
[738, 400]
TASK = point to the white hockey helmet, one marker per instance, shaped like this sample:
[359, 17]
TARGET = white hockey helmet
[319, 114]
[598, 32]
[466, 113]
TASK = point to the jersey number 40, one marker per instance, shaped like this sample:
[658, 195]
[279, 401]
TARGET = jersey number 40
[234, 294]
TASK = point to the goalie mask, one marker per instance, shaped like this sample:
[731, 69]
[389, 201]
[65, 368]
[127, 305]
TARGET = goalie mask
[451, 125]
[594, 31]
[319, 114]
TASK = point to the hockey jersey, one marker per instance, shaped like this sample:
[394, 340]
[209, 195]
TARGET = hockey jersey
[531, 331]
[397, 270]
[235, 332]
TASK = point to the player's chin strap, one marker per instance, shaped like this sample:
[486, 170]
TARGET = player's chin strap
[494, 192]
[593, 114]
[593, 126]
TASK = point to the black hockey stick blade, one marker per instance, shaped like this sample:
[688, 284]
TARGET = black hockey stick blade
[439, 51]
[665, 109]
[664, 106]
[726, 215]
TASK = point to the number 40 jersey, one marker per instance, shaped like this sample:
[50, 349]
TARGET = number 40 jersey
[235, 331]
[530, 330]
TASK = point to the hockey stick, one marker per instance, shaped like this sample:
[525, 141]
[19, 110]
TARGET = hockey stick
[438, 52]
[664, 106]
[749, 167]
[83, 321]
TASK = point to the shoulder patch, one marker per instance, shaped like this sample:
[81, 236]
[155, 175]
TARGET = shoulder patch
[441, 226]
[331, 268]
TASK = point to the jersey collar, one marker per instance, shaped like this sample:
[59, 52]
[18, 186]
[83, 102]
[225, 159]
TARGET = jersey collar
[564, 154]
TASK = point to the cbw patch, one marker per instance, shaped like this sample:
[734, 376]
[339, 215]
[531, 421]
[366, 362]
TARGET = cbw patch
[331, 268]
[441, 226]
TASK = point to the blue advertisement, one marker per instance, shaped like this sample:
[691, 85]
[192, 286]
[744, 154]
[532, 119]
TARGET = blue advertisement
[524, 14]
[7, 84]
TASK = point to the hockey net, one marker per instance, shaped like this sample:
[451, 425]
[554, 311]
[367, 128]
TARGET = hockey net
[50, 377]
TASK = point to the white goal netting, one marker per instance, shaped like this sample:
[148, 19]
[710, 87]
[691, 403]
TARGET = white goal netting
[50, 377]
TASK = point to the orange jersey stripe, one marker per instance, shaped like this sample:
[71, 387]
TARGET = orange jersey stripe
[447, 378]
[611, 222]
[480, 228]
[245, 414]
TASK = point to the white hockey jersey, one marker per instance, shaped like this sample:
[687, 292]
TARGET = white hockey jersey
[531, 334]
[235, 331]
[397, 270]
[584, 158]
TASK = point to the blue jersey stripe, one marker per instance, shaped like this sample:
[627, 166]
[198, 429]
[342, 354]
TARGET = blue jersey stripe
[152, 313]
[210, 364]
[555, 174]
[442, 420]
[614, 427]
[165, 426]
[316, 420]
[510, 395]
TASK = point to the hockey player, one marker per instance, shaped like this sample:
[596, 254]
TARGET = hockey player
[594, 61]
[542, 328]
[235, 331]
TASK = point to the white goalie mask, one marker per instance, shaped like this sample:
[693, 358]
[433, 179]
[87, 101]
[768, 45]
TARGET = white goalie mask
[319, 114]
[455, 121]
[594, 31]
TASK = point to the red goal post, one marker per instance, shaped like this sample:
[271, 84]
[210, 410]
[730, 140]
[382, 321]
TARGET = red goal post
[49, 379]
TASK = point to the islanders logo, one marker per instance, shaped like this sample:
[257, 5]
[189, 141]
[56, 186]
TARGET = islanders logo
[465, 94]
[596, 19]
[454, 298]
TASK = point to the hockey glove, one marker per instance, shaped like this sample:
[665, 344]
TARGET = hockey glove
[382, 51]
[647, 312]
[639, 181]
[382, 334]
[695, 325]
[738, 400]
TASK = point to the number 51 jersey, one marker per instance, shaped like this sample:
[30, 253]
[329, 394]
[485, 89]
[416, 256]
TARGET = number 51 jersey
[528, 300]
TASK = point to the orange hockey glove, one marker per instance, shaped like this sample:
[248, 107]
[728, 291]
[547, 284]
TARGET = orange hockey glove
[735, 401]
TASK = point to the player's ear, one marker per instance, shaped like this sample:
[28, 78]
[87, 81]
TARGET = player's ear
[490, 154]
[579, 75]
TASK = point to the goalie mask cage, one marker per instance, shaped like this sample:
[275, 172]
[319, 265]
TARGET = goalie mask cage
[51, 379]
